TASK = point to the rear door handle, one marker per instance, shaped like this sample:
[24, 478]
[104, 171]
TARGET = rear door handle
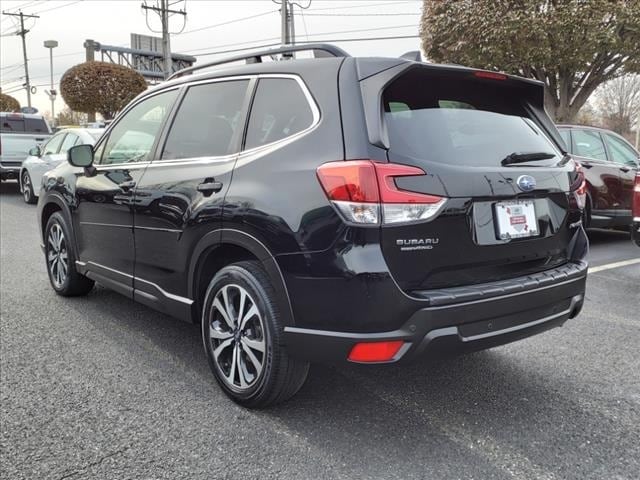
[625, 169]
[586, 164]
[210, 186]
[126, 186]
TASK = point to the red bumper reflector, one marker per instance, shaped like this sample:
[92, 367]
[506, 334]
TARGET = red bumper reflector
[375, 351]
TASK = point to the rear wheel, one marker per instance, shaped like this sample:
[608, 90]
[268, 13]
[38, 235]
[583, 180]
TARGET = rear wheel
[61, 261]
[27, 188]
[241, 331]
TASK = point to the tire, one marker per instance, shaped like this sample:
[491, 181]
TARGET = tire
[252, 367]
[61, 261]
[27, 188]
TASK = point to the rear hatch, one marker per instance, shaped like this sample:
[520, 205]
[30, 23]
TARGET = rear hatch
[485, 146]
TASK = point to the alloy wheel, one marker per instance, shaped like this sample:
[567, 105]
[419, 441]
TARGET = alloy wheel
[57, 256]
[26, 187]
[237, 337]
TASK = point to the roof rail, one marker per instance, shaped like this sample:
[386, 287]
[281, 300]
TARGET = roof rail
[319, 49]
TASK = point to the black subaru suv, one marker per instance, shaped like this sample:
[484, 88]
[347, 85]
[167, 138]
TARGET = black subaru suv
[326, 209]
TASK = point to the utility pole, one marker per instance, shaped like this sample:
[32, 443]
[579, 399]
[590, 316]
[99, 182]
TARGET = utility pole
[288, 29]
[163, 10]
[23, 34]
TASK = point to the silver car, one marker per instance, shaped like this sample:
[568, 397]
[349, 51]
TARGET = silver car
[50, 155]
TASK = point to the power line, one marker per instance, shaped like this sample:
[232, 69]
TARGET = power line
[236, 20]
[59, 6]
[261, 41]
[367, 5]
[324, 40]
[359, 14]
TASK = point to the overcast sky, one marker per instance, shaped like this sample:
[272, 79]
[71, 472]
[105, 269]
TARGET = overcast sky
[112, 22]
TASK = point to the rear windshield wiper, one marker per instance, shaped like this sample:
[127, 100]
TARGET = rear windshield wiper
[526, 157]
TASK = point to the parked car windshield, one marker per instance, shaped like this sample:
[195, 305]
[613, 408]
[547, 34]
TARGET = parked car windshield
[460, 122]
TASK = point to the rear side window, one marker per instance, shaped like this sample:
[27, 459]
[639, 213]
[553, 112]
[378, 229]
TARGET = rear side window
[208, 121]
[460, 120]
[280, 109]
[621, 152]
[588, 144]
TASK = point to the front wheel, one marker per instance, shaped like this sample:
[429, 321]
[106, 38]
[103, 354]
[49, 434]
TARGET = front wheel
[27, 188]
[61, 261]
[241, 331]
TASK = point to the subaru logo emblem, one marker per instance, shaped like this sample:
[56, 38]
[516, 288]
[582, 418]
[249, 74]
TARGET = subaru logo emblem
[526, 183]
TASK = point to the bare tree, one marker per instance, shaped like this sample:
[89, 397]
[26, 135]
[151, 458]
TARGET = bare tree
[618, 102]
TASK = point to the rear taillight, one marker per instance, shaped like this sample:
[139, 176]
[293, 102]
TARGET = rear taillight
[579, 187]
[365, 193]
[636, 199]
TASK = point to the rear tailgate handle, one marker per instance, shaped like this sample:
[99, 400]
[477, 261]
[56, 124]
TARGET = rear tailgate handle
[210, 186]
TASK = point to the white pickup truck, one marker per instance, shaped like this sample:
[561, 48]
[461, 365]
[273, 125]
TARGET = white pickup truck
[19, 133]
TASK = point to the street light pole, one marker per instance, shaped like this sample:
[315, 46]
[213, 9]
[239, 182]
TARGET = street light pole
[51, 44]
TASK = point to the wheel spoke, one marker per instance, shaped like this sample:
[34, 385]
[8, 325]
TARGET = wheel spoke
[253, 344]
[224, 344]
[243, 297]
[51, 256]
[227, 306]
[251, 313]
[254, 360]
[243, 374]
[218, 306]
[216, 334]
[234, 362]
[63, 264]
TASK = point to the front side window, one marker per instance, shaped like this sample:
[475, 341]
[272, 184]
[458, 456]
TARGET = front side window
[588, 144]
[280, 109]
[133, 136]
[53, 145]
[208, 121]
[621, 152]
[69, 141]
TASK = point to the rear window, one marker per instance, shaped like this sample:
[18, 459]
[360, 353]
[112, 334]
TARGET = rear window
[20, 124]
[460, 121]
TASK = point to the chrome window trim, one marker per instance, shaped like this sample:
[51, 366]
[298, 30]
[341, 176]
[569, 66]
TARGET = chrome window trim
[107, 133]
[269, 147]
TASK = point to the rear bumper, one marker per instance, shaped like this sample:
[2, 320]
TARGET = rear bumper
[11, 170]
[449, 328]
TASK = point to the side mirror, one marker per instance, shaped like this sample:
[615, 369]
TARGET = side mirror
[80, 156]
[35, 152]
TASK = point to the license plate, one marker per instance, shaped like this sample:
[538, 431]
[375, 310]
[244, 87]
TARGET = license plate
[516, 219]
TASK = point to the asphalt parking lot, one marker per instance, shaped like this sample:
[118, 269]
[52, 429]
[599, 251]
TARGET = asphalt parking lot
[100, 387]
